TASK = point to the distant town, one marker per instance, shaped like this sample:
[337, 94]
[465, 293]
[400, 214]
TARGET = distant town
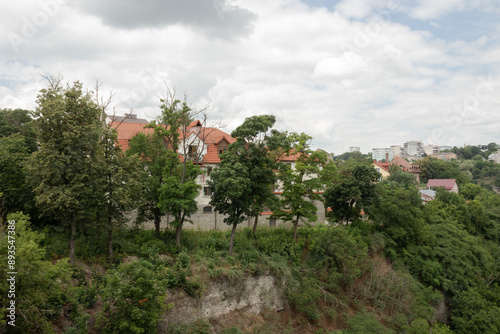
[414, 150]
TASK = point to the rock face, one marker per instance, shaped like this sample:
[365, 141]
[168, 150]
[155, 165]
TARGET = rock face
[249, 295]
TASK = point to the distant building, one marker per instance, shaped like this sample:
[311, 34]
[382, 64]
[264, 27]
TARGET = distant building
[413, 150]
[447, 156]
[427, 195]
[354, 149]
[384, 153]
[431, 149]
[494, 157]
[396, 150]
[445, 148]
[407, 167]
[448, 184]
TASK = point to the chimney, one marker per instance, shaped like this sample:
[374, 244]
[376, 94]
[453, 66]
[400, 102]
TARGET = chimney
[386, 157]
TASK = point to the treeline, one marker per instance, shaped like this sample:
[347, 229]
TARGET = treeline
[61, 170]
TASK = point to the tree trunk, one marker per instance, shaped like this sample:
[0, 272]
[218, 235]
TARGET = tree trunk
[295, 225]
[255, 222]
[180, 221]
[72, 241]
[232, 239]
[157, 222]
[178, 230]
[110, 243]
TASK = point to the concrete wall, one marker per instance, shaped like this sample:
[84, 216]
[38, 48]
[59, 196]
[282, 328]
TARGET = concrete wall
[214, 220]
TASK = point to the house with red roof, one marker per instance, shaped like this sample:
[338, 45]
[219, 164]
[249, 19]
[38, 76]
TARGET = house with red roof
[382, 168]
[407, 167]
[203, 146]
[448, 184]
[127, 127]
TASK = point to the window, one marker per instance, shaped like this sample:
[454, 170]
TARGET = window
[209, 170]
[207, 209]
[207, 191]
[272, 222]
[222, 149]
[192, 152]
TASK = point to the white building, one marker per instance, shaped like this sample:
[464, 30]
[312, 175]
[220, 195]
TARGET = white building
[431, 149]
[354, 149]
[396, 150]
[379, 154]
[494, 157]
[413, 149]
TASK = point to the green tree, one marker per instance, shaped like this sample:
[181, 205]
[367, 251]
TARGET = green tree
[253, 150]
[119, 185]
[353, 192]
[41, 286]
[301, 184]
[153, 153]
[231, 191]
[473, 313]
[179, 190]
[18, 121]
[133, 297]
[432, 168]
[398, 214]
[61, 173]
[17, 195]
[469, 191]
[402, 178]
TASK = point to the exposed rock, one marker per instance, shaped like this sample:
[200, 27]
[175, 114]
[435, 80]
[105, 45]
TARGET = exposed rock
[251, 295]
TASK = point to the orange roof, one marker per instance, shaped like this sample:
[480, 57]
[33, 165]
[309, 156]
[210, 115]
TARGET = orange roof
[290, 157]
[384, 165]
[127, 130]
[211, 136]
[405, 165]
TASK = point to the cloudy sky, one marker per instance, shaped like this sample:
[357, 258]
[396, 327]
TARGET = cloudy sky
[367, 73]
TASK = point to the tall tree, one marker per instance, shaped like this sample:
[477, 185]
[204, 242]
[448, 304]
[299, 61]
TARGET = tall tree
[153, 153]
[231, 190]
[301, 185]
[119, 178]
[17, 196]
[354, 191]
[252, 147]
[18, 121]
[175, 126]
[61, 172]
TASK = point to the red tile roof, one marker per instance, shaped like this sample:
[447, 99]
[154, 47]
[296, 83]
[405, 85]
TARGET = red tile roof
[448, 184]
[384, 165]
[211, 136]
[405, 165]
[127, 130]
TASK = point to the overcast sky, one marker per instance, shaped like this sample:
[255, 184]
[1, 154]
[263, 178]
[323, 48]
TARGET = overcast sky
[364, 73]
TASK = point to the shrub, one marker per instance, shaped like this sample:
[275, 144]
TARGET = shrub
[134, 298]
[41, 288]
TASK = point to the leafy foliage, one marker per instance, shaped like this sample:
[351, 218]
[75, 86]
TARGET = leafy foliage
[134, 298]
[354, 191]
[301, 184]
[17, 196]
[41, 287]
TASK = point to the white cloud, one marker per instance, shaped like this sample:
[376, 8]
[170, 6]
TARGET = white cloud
[365, 82]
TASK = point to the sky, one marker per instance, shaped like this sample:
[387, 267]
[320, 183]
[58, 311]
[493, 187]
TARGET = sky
[365, 73]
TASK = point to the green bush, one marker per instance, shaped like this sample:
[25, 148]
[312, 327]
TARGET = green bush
[134, 298]
[41, 287]
[363, 323]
